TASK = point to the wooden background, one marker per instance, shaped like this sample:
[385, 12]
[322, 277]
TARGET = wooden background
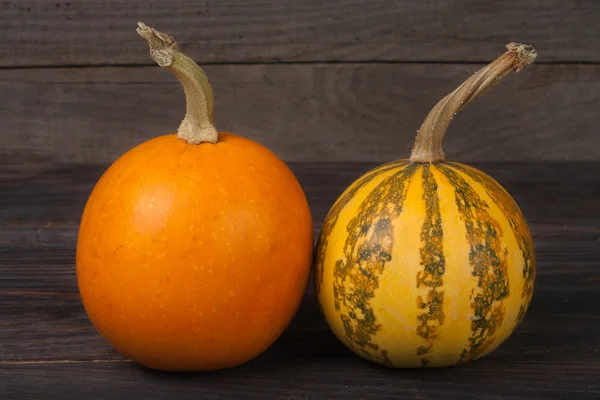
[334, 88]
[315, 81]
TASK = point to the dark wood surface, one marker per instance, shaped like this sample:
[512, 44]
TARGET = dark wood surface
[318, 81]
[48, 348]
[101, 32]
[305, 112]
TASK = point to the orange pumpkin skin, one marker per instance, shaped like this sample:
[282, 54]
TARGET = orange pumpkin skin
[194, 257]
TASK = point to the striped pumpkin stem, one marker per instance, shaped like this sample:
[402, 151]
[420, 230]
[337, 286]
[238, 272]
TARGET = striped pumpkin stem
[198, 126]
[428, 144]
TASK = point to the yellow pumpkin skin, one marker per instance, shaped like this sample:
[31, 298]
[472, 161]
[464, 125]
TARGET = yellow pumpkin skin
[424, 265]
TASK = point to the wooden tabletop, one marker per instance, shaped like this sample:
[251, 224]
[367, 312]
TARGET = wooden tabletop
[49, 349]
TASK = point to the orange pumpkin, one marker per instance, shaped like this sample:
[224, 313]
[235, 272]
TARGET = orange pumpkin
[195, 248]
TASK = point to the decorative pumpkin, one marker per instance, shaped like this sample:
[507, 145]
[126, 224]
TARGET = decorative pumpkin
[424, 262]
[195, 248]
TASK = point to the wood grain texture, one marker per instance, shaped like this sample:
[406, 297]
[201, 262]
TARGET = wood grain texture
[40, 305]
[304, 113]
[47, 343]
[100, 32]
[41, 205]
[308, 377]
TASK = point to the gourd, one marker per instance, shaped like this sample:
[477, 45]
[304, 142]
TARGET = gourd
[195, 248]
[424, 262]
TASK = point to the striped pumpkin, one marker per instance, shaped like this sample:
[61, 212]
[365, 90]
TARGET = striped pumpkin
[424, 264]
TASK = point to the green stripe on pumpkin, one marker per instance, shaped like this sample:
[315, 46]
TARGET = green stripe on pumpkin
[434, 266]
[334, 213]
[365, 260]
[488, 262]
[516, 221]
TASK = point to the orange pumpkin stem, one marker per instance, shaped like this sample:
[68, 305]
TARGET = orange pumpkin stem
[198, 126]
[428, 144]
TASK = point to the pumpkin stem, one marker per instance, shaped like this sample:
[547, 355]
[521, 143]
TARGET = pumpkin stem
[198, 126]
[428, 144]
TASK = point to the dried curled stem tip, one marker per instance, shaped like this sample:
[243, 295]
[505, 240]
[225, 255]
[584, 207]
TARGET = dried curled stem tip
[428, 144]
[198, 125]
[159, 44]
[525, 55]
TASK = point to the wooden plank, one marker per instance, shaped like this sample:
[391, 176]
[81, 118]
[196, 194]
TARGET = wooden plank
[39, 303]
[40, 207]
[39, 300]
[304, 378]
[99, 32]
[304, 113]
[554, 351]
[58, 354]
